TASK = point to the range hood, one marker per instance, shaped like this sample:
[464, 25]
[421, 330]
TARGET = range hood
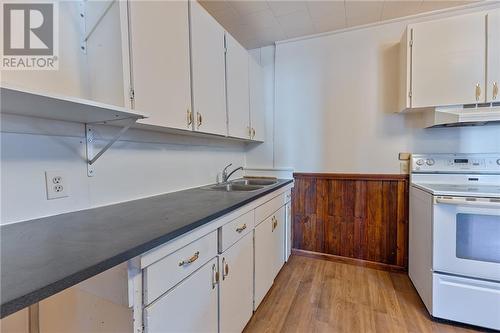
[467, 115]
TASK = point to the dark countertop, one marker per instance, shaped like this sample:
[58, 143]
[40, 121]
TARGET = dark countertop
[42, 257]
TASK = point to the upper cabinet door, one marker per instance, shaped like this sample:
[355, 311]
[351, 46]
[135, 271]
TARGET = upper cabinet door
[448, 61]
[97, 73]
[493, 74]
[208, 65]
[257, 101]
[238, 104]
[159, 43]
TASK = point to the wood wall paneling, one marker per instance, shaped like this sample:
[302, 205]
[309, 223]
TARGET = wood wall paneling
[355, 216]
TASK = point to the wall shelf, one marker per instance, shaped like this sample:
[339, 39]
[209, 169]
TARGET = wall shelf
[57, 107]
[47, 106]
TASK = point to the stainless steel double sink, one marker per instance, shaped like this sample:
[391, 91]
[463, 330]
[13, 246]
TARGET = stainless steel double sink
[242, 185]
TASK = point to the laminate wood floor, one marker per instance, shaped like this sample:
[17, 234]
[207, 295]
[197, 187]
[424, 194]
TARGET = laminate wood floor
[315, 295]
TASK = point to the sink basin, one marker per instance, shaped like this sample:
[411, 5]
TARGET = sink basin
[254, 181]
[234, 187]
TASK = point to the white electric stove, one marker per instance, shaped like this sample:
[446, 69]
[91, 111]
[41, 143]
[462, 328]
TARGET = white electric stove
[454, 236]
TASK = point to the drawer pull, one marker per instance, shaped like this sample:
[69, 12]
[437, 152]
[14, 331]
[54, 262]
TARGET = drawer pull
[274, 223]
[240, 229]
[190, 260]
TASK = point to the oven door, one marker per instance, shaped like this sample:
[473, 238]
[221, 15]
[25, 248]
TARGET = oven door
[466, 237]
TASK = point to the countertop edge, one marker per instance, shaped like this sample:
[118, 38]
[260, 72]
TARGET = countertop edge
[33, 297]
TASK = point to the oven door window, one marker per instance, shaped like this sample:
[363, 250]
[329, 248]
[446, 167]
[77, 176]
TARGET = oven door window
[478, 237]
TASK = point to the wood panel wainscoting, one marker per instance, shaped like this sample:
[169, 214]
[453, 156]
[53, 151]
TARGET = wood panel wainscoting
[356, 218]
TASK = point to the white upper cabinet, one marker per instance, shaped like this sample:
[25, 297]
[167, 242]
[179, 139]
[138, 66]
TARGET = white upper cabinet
[208, 72]
[238, 104]
[95, 73]
[448, 61]
[257, 101]
[493, 74]
[160, 69]
[451, 61]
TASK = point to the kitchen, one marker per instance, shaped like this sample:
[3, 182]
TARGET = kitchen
[112, 214]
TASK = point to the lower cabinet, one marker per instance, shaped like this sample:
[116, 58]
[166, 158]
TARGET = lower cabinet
[236, 285]
[215, 280]
[269, 253]
[191, 306]
[278, 251]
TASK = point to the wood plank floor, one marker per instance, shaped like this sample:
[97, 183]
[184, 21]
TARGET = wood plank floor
[314, 295]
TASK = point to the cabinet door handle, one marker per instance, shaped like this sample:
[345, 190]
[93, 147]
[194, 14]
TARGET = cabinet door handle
[226, 271]
[215, 276]
[192, 259]
[199, 119]
[250, 132]
[478, 92]
[495, 90]
[189, 117]
[274, 223]
[253, 132]
[223, 271]
[240, 229]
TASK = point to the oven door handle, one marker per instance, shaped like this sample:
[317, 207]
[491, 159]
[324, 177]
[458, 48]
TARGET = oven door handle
[485, 203]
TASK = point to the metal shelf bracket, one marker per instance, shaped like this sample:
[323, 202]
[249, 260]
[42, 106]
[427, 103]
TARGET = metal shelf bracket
[83, 25]
[90, 138]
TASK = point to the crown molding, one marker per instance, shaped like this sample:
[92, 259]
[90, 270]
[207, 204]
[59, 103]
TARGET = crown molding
[441, 13]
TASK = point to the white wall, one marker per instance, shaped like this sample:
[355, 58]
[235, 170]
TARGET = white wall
[335, 102]
[142, 164]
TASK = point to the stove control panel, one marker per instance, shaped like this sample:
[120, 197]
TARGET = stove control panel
[456, 163]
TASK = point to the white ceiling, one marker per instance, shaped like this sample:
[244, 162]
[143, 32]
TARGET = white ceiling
[256, 23]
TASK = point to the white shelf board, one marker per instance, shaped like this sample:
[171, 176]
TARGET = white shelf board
[187, 132]
[50, 106]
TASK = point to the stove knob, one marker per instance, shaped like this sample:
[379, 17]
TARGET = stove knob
[420, 162]
[430, 162]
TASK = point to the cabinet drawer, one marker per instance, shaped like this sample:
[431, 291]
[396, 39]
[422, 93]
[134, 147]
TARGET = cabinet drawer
[236, 229]
[266, 209]
[470, 301]
[167, 272]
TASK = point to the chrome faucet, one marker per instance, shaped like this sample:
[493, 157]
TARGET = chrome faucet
[225, 175]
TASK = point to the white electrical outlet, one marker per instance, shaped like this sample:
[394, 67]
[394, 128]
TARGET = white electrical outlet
[57, 184]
